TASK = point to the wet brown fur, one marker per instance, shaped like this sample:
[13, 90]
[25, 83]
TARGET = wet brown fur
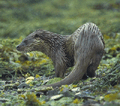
[83, 49]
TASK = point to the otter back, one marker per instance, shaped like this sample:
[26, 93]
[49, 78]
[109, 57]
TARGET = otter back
[83, 49]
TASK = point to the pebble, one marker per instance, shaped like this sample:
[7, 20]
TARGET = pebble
[23, 85]
[77, 89]
[3, 100]
[56, 97]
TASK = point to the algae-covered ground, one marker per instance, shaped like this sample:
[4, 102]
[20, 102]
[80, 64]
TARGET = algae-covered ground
[21, 75]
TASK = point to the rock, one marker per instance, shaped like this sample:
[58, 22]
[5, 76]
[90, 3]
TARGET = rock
[68, 94]
[43, 89]
[32, 90]
[77, 89]
[52, 92]
[20, 90]
[39, 93]
[65, 89]
[10, 86]
[56, 97]
[23, 85]
[3, 100]
[45, 82]
[87, 87]
[110, 92]
[2, 83]
[37, 85]
[91, 103]
[83, 96]
[65, 100]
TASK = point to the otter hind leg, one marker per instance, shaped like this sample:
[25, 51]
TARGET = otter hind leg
[93, 66]
[59, 74]
[60, 70]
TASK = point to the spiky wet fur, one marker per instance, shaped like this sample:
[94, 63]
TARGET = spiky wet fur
[83, 49]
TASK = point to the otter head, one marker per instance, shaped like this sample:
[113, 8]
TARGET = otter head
[31, 43]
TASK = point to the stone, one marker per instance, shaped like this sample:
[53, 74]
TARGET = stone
[3, 100]
[77, 89]
[23, 85]
[56, 97]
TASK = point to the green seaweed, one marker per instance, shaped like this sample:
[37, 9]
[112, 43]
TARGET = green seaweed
[20, 18]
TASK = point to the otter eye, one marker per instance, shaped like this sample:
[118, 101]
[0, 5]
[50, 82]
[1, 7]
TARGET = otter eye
[36, 35]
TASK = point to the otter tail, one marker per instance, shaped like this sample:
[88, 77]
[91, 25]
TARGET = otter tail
[88, 51]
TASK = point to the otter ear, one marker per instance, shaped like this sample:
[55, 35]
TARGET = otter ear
[36, 36]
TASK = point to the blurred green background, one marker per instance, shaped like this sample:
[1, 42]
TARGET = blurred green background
[21, 17]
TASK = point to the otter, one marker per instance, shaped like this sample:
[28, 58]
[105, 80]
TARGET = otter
[83, 49]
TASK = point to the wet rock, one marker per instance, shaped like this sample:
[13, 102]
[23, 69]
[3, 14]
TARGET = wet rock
[56, 97]
[87, 87]
[110, 92]
[83, 96]
[52, 92]
[110, 104]
[23, 85]
[3, 100]
[21, 90]
[43, 89]
[65, 100]
[68, 94]
[10, 86]
[37, 85]
[8, 82]
[91, 103]
[65, 89]
[39, 93]
[2, 83]
[45, 82]
[77, 89]
[32, 90]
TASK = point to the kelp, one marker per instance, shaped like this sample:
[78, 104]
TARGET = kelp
[14, 63]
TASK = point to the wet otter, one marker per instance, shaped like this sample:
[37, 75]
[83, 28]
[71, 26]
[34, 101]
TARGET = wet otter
[83, 49]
